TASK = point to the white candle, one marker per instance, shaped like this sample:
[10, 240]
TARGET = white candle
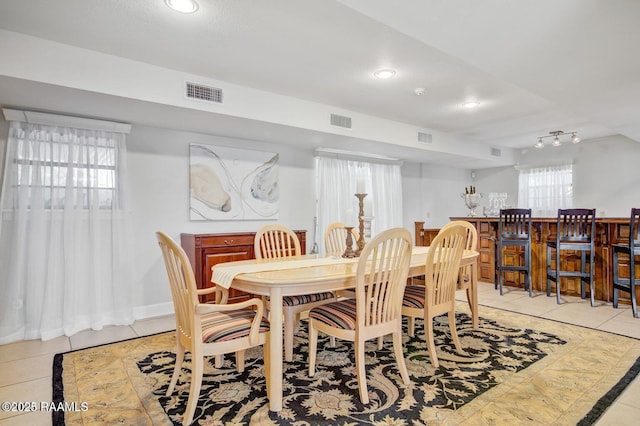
[348, 220]
[360, 186]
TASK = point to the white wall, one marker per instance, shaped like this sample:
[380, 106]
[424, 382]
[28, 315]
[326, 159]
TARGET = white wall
[606, 177]
[158, 163]
[4, 133]
[432, 194]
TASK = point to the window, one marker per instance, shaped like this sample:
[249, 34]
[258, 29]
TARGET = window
[64, 233]
[48, 166]
[336, 183]
[546, 189]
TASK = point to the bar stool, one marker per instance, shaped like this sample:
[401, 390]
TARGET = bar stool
[575, 230]
[631, 250]
[514, 230]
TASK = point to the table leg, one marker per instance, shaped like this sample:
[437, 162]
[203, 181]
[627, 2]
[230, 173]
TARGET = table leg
[275, 350]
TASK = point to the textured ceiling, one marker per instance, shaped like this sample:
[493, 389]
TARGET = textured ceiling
[534, 66]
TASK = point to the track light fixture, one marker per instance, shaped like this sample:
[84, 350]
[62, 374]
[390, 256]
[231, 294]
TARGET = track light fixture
[556, 135]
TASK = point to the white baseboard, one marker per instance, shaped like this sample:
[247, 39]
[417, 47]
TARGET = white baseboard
[150, 311]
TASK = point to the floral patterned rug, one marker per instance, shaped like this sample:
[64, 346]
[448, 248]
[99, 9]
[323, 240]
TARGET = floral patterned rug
[517, 369]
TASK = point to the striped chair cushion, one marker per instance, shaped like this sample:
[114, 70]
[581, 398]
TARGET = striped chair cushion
[340, 314]
[306, 298]
[414, 296]
[224, 326]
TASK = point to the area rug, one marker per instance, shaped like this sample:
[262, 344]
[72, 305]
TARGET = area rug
[517, 369]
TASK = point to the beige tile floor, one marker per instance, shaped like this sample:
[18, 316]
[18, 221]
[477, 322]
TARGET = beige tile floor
[27, 366]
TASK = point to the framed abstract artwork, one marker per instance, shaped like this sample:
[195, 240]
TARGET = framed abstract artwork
[232, 184]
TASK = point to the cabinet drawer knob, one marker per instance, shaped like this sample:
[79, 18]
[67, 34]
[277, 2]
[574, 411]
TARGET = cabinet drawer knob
[228, 242]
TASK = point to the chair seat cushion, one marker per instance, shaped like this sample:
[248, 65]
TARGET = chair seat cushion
[224, 326]
[306, 298]
[340, 314]
[414, 296]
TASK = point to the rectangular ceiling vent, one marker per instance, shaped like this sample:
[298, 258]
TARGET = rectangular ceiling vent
[341, 121]
[203, 93]
[424, 137]
[496, 152]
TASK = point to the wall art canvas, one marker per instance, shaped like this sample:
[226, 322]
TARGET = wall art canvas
[232, 184]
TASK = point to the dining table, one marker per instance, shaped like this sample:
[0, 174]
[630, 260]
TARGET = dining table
[306, 275]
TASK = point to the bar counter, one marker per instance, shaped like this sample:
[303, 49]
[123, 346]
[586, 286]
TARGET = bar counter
[608, 231]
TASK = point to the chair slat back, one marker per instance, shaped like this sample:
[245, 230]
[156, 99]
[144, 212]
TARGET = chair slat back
[576, 225]
[634, 229]
[443, 263]
[335, 239]
[381, 277]
[472, 233]
[183, 285]
[515, 224]
[276, 242]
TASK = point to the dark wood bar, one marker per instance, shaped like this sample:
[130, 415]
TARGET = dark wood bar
[608, 231]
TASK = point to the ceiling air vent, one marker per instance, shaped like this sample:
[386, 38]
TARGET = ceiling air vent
[496, 152]
[341, 121]
[424, 137]
[203, 93]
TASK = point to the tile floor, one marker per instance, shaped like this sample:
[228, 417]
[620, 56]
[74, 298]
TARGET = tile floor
[27, 366]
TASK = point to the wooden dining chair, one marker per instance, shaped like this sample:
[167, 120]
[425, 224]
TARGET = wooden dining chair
[208, 329]
[335, 239]
[468, 274]
[279, 242]
[381, 276]
[437, 295]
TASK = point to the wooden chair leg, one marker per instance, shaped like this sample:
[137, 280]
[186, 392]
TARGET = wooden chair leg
[454, 332]
[176, 369]
[361, 371]
[289, 330]
[313, 342]
[411, 322]
[399, 353]
[431, 346]
[197, 365]
[219, 360]
[240, 361]
[267, 363]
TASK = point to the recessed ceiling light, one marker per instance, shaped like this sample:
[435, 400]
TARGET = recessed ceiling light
[184, 6]
[470, 104]
[384, 74]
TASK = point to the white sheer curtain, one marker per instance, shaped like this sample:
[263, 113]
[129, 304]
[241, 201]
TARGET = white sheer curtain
[546, 189]
[336, 181]
[64, 234]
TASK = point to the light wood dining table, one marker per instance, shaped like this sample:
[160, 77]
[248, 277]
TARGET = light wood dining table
[304, 276]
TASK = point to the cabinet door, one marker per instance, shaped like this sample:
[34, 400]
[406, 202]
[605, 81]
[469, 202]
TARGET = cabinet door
[215, 255]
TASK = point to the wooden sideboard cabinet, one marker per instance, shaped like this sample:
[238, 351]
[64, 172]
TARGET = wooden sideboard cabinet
[206, 250]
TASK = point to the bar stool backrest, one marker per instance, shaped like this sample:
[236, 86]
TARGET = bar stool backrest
[576, 225]
[634, 229]
[515, 224]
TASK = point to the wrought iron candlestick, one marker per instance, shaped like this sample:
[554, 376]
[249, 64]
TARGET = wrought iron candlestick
[349, 250]
[361, 220]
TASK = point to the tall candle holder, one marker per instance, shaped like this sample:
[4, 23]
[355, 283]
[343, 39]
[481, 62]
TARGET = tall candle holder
[361, 221]
[349, 250]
